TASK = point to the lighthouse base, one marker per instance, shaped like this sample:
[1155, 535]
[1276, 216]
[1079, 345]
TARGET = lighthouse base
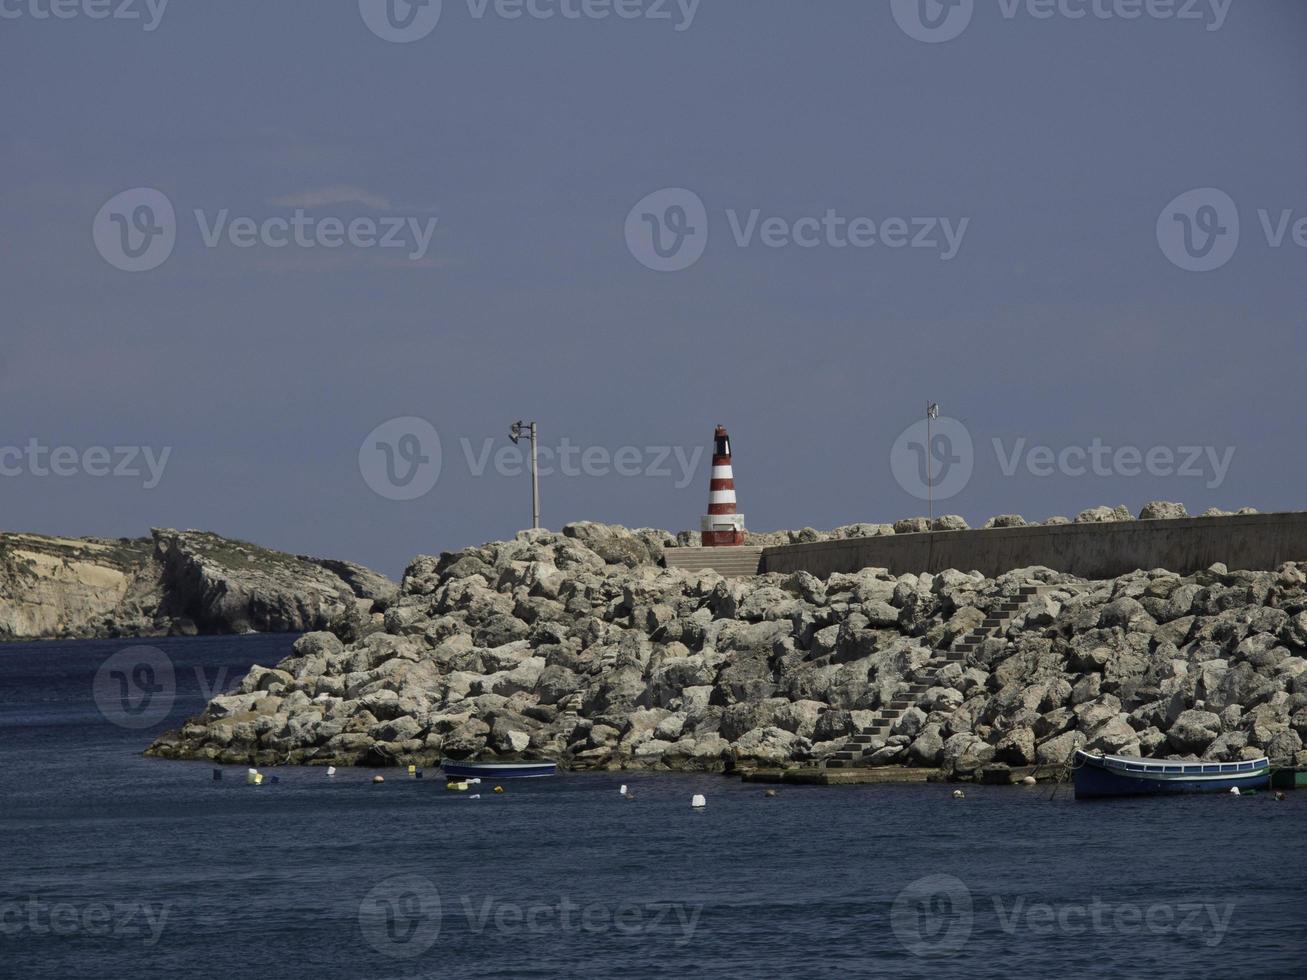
[722, 530]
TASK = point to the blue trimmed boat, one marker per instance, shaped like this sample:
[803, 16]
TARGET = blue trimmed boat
[497, 770]
[1119, 775]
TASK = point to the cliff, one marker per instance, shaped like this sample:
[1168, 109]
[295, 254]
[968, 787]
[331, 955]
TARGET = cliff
[174, 582]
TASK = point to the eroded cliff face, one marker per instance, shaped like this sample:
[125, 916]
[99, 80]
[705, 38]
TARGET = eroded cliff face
[580, 647]
[174, 582]
[69, 586]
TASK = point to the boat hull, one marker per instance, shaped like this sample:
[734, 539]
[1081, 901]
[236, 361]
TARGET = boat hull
[498, 770]
[1105, 776]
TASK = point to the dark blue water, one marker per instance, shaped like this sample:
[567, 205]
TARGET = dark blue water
[114, 865]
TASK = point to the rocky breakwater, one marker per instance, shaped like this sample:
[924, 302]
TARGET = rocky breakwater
[175, 582]
[580, 647]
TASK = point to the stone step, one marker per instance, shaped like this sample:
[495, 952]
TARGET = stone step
[727, 562]
[865, 737]
[993, 622]
[846, 755]
[899, 704]
[1029, 590]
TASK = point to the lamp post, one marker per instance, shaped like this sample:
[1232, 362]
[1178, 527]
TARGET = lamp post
[515, 433]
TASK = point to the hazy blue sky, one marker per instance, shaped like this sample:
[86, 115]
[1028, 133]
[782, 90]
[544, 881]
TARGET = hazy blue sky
[1061, 317]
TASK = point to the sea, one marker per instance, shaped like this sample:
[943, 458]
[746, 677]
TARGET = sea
[117, 865]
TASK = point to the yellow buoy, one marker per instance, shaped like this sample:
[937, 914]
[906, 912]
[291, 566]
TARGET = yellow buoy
[412, 770]
[457, 785]
[499, 789]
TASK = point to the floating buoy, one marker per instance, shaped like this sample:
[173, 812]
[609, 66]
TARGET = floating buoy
[770, 792]
[959, 795]
[475, 796]
[458, 785]
[474, 782]
[217, 775]
[1234, 790]
[413, 771]
[623, 789]
[1279, 797]
[331, 770]
[252, 777]
[378, 778]
[1028, 781]
[499, 789]
[698, 802]
[275, 779]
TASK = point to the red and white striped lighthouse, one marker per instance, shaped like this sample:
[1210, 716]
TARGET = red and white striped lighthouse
[721, 526]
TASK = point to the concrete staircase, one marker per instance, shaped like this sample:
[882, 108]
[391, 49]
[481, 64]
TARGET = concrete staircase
[853, 753]
[727, 562]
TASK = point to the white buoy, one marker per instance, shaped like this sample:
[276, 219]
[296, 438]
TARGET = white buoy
[623, 789]
[1028, 781]
[331, 770]
[252, 777]
[959, 795]
[474, 782]
[475, 796]
[1234, 791]
[698, 802]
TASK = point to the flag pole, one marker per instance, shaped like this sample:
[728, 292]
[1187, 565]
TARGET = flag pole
[930, 476]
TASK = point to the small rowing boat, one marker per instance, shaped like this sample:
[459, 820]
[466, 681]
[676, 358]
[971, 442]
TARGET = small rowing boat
[497, 770]
[1120, 775]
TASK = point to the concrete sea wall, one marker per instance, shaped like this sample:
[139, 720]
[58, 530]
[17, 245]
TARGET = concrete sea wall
[1094, 551]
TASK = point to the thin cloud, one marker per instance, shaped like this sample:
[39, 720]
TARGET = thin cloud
[335, 194]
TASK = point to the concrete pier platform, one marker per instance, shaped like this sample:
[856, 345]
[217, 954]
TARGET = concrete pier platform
[842, 777]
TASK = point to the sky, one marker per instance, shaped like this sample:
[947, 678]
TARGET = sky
[289, 270]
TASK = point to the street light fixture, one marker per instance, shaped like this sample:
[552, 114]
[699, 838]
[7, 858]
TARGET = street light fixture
[515, 433]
